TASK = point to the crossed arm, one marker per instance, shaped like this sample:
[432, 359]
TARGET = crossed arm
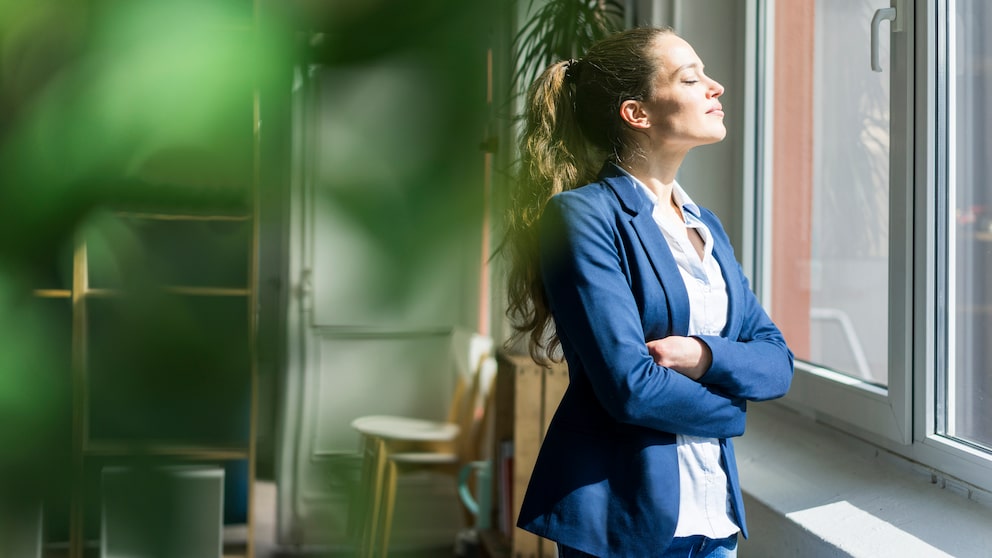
[755, 366]
[684, 385]
[758, 366]
[688, 356]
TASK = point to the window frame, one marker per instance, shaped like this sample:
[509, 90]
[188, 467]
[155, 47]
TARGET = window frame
[817, 391]
[947, 455]
[902, 417]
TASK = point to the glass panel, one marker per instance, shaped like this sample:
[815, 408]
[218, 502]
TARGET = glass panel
[55, 274]
[830, 260]
[968, 386]
[51, 375]
[128, 252]
[180, 378]
[849, 255]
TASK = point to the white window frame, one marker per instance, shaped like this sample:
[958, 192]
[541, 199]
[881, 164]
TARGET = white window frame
[947, 455]
[900, 418]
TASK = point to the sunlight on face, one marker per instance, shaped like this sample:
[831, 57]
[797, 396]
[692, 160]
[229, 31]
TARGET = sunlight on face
[684, 107]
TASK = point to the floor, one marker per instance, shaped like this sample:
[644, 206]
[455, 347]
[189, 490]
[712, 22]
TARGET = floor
[265, 537]
[265, 533]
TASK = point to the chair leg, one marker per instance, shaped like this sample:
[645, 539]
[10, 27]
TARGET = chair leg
[376, 459]
[356, 515]
[390, 505]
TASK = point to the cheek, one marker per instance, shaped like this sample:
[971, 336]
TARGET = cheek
[678, 116]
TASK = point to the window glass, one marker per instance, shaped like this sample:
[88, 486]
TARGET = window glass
[967, 414]
[833, 261]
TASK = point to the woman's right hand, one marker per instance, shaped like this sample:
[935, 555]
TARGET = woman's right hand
[688, 356]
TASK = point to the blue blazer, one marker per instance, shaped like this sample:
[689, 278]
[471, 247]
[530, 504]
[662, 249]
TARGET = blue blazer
[607, 477]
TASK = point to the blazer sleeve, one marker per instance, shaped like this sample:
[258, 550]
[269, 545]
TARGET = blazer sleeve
[758, 364]
[598, 319]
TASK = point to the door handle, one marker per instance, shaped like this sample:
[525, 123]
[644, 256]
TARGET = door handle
[884, 14]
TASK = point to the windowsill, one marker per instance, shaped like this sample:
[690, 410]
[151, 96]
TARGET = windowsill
[813, 491]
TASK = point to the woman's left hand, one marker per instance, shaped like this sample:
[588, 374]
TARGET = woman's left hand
[688, 356]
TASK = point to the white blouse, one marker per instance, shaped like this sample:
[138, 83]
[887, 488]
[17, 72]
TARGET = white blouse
[704, 501]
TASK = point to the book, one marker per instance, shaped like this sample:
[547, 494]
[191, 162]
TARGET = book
[504, 484]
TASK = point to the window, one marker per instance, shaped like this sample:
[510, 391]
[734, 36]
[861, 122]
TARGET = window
[877, 221]
[849, 225]
[964, 401]
[839, 221]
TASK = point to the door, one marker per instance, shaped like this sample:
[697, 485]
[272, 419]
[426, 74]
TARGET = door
[386, 250]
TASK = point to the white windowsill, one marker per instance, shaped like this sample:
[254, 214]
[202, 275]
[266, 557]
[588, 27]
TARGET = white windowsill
[813, 491]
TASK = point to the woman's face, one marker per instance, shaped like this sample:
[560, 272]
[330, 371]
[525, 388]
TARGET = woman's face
[684, 109]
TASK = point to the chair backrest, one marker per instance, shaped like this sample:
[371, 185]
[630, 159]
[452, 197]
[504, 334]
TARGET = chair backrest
[467, 347]
[474, 429]
[459, 399]
[476, 372]
[472, 396]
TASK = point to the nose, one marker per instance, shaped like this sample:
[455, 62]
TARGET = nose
[715, 89]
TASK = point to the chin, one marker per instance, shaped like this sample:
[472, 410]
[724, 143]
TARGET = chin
[716, 138]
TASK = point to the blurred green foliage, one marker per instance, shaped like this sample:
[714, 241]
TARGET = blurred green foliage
[92, 95]
[109, 105]
[403, 116]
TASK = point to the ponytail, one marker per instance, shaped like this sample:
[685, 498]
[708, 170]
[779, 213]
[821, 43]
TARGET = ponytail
[554, 157]
[572, 124]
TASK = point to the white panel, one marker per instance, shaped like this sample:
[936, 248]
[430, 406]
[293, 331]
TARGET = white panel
[172, 513]
[360, 283]
[411, 376]
[394, 248]
[20, 536]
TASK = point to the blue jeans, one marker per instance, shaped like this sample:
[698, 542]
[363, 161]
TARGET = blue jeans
[696, 546]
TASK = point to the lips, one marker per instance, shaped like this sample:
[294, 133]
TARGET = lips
[716, 110]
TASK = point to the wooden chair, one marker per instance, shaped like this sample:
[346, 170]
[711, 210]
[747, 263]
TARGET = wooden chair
[392, 444]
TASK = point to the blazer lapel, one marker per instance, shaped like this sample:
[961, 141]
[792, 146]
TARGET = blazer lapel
[638, 206]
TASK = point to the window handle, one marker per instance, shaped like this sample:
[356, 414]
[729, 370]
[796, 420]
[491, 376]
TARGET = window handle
[876, 20]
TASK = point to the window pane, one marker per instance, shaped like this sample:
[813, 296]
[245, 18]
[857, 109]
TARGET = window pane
[968, 382]
[834, 268]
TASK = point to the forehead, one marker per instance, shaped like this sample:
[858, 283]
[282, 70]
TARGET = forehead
[672, 53]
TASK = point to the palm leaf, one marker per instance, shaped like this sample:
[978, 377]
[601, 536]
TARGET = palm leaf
[561, 29]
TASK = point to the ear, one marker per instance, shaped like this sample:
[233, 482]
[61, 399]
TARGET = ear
[632, 112]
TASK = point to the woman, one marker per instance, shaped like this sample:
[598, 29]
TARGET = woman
[640, 290]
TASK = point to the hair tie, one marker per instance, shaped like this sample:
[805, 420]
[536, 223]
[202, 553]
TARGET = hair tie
[572, 70]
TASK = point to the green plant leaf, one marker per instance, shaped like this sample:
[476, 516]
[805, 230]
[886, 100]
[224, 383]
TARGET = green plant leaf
[559, 30]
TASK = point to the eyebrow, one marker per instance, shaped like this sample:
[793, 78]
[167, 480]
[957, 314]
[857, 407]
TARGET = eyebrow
[691, 65]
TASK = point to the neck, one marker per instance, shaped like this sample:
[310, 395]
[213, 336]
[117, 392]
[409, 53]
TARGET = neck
[657, 171]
